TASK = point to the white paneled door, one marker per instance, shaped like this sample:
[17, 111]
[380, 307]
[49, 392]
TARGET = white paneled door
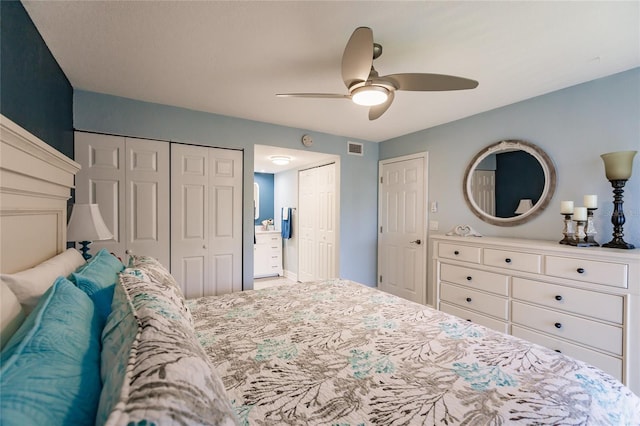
[402, 232]
[206, 219]
[317, 223]
[129, 180]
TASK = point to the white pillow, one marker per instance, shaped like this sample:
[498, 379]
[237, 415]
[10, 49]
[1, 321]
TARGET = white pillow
[11, 313]
[29, 285]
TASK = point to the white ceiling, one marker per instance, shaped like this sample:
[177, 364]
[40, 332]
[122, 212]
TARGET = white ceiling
[232, 57]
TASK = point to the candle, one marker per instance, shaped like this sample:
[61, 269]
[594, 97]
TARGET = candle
[580, 213]
[566, 207]
[591, 201]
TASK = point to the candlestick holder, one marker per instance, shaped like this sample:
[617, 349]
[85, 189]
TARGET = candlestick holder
[617, 217]
[580, 237]
[590, 229]
[567, 229]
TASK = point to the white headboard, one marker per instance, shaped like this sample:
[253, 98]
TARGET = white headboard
[35, 184]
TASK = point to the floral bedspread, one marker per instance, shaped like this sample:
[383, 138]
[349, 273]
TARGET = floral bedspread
[340, 353]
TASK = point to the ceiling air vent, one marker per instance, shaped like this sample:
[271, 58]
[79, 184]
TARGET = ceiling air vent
[354, 148]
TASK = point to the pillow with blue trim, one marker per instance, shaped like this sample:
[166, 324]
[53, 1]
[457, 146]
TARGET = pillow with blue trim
[50, 368]
[97, 278]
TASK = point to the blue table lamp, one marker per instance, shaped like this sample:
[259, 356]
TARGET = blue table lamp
[86, 225]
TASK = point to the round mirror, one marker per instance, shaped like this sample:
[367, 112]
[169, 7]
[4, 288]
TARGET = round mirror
[509, 183]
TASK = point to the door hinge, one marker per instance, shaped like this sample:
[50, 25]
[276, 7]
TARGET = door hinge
[380, 278]
[381, 229]
[381, 179]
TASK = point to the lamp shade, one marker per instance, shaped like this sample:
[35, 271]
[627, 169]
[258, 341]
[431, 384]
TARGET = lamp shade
[524, 206]
[86, 224]
[618, 165]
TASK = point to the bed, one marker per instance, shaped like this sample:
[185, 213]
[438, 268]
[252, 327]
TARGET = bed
[106, 343]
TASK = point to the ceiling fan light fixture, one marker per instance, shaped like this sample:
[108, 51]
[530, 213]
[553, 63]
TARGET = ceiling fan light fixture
[280, 160]
[370, 95]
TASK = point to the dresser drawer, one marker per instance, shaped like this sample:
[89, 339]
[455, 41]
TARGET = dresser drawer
[607, 273]
[271, 238]
[488, 281]
[478, 301]
[607, 363]
[274, 260]
[460, 252]
[474, 317]
[526, 262]
[584, 331]
[607, 307]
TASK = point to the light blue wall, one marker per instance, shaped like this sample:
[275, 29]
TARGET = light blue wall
[574, 126]
[358, 193]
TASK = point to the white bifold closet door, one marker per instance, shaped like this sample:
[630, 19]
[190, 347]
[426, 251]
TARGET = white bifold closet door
[206, 219]
[129, 180]
[317, 223]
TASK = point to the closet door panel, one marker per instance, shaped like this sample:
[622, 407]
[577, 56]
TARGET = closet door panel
[192, 271]
[147, 208]
[223, 274]
[225, 230]
[189, 219]
[308, 206]
[101, 180]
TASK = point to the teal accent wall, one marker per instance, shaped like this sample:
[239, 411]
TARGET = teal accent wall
[34, 92]
[265, 183]
[358, 174]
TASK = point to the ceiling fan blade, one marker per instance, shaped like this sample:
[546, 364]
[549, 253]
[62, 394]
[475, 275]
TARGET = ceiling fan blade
[358, 56]
[377, 110]
[313, 95]
[430, 82]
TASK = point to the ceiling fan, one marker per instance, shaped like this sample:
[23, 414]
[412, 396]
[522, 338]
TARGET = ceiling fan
[367, 88]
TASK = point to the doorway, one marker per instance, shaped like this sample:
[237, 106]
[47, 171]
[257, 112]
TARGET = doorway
[402, 234]
[286, 195]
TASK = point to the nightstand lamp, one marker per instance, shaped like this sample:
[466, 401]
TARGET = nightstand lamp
[86, 225]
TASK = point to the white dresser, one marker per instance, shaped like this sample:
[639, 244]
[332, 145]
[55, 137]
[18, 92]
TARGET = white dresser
[267, 254]
[583, 302]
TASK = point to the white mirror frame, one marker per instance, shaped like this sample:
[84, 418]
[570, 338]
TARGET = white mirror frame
[506, 146]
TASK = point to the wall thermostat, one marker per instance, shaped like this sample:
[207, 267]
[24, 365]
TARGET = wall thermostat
[306, 140]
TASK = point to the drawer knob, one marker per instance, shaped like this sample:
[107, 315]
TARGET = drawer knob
[580, 270]
[456, 252]
[508, 260]
[468, 299]
[469, 278]
[558, 325]
[558, 297]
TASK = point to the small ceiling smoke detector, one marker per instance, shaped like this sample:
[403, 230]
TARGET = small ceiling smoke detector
[280, 160]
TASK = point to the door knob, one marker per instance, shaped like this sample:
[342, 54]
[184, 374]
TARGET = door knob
[417, 242]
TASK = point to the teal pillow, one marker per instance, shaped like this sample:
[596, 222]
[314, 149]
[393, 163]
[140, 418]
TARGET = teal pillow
[50, 368]
[97, 278]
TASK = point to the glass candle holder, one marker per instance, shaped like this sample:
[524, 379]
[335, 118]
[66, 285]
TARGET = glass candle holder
[567, 230]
